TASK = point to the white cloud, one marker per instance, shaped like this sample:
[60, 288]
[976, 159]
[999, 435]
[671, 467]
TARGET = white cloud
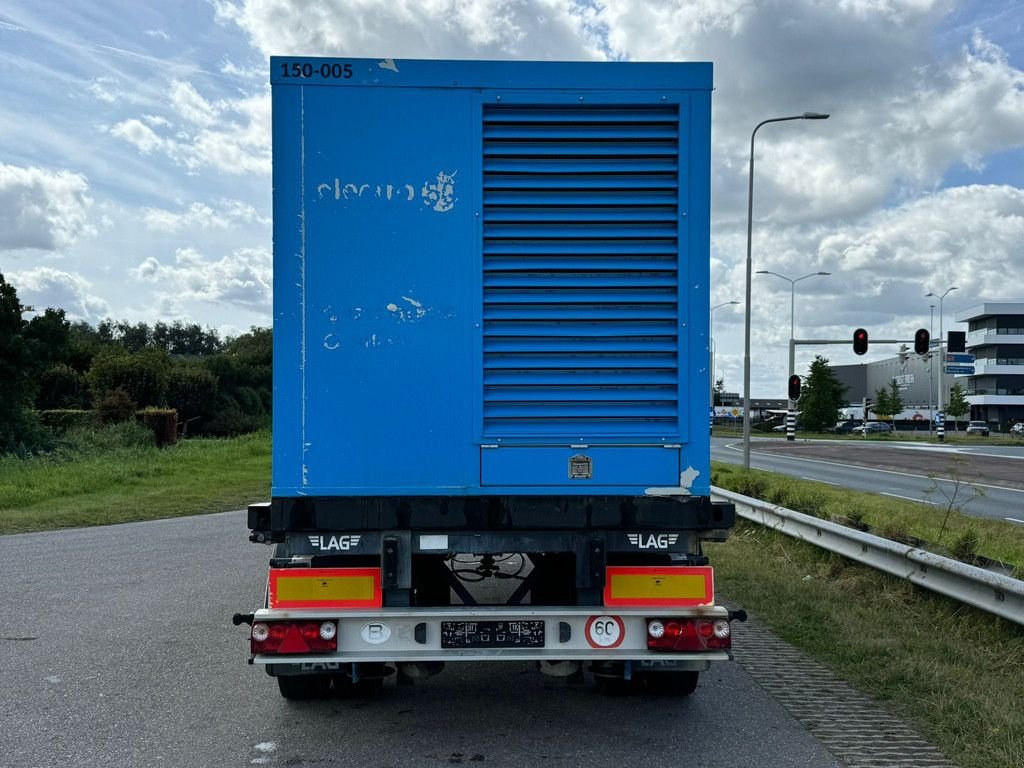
[229, 136]
[45, 287]
[100, 88]
[902, 114]
[139, 134]
[42, 209]
[202, 216]
[544, 29]
[157, 33]
[242, 278]
[190, 105]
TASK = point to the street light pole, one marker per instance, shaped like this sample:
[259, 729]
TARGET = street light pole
[790, 416]
[931, 369]
[746, 324]
[711, 337]
[940, 430]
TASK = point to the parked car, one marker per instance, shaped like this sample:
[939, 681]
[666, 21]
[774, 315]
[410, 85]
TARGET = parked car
[1017, 429]
[844, 427]
[799, 427]
[977, 428]
[872, 427]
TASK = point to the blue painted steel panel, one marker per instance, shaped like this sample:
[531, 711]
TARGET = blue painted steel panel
[549, 466]
[494, 253]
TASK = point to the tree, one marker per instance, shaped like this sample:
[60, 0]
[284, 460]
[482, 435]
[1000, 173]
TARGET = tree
[958, 405]
[821, 397]
[718, 390]
[895, 401]
[142, 375]
[882, 406]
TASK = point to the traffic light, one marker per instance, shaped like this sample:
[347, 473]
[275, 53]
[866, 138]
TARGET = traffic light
[922, 341]
[860, 341]
[956, 341]
[794, 387]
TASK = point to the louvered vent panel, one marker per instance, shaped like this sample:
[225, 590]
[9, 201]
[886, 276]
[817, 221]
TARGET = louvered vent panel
[580, 271]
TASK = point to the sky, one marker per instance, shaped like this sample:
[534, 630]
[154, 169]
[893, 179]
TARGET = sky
[135, 149]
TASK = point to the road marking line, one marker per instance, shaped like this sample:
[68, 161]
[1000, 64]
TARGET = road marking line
[875, 469]
[1014, 520]
[908, 498]
[819, 480]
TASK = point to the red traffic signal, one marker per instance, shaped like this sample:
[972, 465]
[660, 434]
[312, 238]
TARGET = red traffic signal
[922, 341]
[794, 387]
[860, 341]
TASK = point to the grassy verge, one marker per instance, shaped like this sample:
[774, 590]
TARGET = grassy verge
[899, 436]
[883, 515]
[957, 673]
[125, 483]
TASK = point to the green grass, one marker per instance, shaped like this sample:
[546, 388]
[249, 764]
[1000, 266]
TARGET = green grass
[956, 673]
[908, 436]
[886, 516]
[124, 483]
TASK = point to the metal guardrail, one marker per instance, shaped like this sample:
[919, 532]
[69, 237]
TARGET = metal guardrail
[992, 592]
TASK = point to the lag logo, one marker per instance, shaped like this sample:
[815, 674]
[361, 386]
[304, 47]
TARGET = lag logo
[341, 543]
[653, 540]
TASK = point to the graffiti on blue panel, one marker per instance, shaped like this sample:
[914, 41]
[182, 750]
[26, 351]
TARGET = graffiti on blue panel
[438, 194]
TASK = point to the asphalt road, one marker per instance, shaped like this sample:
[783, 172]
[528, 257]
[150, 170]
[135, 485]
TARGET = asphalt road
[117, 649]
[894, 469]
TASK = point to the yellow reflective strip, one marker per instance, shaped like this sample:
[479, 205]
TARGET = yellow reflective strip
[296, 588]
[630, 586]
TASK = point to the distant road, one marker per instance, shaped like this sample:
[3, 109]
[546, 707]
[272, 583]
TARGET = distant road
[894, 469]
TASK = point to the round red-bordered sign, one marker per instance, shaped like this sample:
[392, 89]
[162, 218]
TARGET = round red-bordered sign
[605, 631]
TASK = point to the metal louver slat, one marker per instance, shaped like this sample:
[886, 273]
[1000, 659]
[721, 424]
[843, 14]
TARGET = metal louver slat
[580, 283]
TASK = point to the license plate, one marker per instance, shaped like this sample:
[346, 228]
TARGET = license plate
[492, 634]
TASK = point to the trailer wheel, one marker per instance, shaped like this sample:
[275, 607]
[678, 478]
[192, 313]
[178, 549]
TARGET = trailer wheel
[303, 687]
[675, 683]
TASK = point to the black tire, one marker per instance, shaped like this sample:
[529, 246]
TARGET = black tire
[303, 687]
[370, 685]
[676, 683]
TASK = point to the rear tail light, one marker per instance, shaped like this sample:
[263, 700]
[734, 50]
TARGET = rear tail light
[685, 635]
[294, 637]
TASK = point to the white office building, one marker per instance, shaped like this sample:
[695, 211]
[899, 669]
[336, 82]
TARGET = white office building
[995, 336]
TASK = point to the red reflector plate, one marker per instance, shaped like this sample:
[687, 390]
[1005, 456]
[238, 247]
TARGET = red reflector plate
[659, 586]
[325, 588]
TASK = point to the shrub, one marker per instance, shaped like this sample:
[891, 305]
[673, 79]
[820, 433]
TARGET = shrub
[105, 438]
[60, 420]
[115, 407]
[234, 422]
[143, 375]
[163, 422]
[61, 387]
[192, 392]
[965, 546]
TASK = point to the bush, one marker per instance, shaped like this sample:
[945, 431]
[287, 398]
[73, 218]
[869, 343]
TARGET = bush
[105, 438]
[965, 546]
[234, 422]
[192, 392]
[60, 420]
[143, 375]
[115, 407]
[163, 422]
[61, 387]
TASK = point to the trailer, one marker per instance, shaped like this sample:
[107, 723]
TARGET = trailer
[491, 374]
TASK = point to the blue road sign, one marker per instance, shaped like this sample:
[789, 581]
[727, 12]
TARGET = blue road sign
[960, 358]
[960, 370]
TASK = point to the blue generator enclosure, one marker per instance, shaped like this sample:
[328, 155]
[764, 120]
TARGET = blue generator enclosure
[490, 278]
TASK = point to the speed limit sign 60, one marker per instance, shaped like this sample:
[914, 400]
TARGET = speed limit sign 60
[605, 631]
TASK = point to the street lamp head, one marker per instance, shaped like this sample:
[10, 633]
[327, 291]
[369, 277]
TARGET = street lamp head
[815, 116]
[825, 273]
[762, 272]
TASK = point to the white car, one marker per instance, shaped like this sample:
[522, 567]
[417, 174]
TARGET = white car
[1017, 429]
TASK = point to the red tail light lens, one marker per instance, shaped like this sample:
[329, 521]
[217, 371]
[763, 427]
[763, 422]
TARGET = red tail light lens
[285, 637]
[688, 635]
